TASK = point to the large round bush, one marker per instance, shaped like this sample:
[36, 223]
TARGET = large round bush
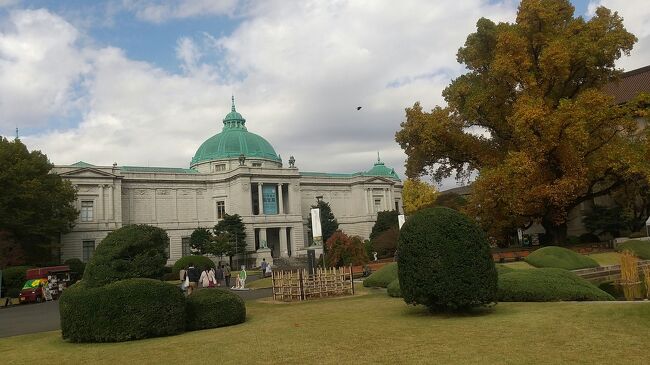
[200, 262]
[546, 285]
[133, 251]
[560, 258]
[126, 310]
[640, 249]
[382, 277]
[445, 261]
[210, 308]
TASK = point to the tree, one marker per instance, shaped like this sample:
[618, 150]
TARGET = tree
[221, 244]
[416, 195]
[611, 220]
[385, 221]
[328, 222]
[11, 254]
[531, 117]
[36, 205]
[450, 200]
[233, 225]
[343, 250]
[200, 240]
[385, 244]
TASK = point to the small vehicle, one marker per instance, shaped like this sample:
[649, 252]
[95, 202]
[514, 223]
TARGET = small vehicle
[32, 291]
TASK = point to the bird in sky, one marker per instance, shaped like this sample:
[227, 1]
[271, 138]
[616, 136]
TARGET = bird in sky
[358, 108]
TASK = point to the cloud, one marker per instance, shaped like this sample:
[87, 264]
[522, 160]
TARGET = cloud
[159, 11]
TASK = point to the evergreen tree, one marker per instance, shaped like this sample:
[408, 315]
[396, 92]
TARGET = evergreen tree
[234, 227]
[385, 221]
[200, 240]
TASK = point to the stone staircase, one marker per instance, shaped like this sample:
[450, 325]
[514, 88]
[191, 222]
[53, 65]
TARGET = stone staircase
[289, 263]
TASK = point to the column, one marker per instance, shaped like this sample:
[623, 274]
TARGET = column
[100, 204]
[111, 209]
[283, 242]
[260, 202]
[386, 203]
[280, 200]
[372, 201]
[154, 218]
[365, 197]
[392, 198]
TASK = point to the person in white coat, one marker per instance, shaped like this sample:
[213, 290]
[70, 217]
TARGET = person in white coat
[207, 279]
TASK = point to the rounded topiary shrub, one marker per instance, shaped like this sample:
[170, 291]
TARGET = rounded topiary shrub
[560, 258]
[133, 251]
[210, 308]
[640, 249]
[393, 289]
[445, 261]
[200, 262]
[547, 285]
[382, 277]
[126, 310]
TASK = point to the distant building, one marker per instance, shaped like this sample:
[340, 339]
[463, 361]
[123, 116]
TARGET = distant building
[234, 172]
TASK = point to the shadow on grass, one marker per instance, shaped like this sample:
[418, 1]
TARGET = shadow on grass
[422, 311]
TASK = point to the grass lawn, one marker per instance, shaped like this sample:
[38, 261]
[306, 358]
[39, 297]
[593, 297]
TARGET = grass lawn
[374, 328]
[606, 258]
[260, 283]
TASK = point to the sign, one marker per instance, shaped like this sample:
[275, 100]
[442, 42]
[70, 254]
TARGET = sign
[647, 222]
[269, 199]
[316, 230]
[400, 220]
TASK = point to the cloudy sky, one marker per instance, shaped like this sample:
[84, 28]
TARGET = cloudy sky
[145, 82]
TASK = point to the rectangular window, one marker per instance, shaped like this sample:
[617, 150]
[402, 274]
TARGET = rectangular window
[168, 249]
[185, 243]
[87, 210]
[257, 164]
[88, 248]
[220, 167]
[377, 205]
[221, 209]
[397, 206]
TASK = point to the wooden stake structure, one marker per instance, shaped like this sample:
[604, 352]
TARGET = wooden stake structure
[299, 285]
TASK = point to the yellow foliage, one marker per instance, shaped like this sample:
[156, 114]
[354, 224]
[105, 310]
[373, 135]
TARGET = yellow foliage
[416, 195]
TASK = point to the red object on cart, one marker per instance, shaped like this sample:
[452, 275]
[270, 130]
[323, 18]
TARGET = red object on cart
[43, 272]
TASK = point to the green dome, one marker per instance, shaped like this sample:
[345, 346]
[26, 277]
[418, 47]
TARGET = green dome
[379, 169]
[233, 141]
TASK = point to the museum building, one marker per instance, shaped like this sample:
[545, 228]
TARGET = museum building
[233, 172]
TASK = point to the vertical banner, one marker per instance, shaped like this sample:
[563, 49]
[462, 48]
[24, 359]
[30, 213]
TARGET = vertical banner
[316, 229]
[269, 199]
[400, 220]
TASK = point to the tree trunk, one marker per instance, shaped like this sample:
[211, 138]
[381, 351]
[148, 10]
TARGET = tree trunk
[557, 233]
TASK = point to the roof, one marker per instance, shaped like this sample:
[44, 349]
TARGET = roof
[168, 170]
[82, 164]
[379, 169]
[631, 84]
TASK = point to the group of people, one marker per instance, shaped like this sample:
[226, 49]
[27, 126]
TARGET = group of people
[191, 277]
[265, 267]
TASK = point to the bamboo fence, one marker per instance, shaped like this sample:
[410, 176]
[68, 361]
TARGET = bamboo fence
[299, 285]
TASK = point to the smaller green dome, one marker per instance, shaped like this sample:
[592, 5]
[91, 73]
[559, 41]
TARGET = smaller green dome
[380, 169]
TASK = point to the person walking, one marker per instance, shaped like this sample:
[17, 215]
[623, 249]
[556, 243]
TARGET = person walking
[226, 274]
[193, 276]
[219, 275]
[263, 267]
[206, 279]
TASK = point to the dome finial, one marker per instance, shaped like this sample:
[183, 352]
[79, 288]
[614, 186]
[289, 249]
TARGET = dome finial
[233, 103]
[378, 160]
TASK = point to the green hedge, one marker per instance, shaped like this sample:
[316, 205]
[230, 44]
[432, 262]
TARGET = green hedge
[445, 262]
[640, 249]
[133, 251]
[13, 279]
[200, 262]
[125, 310]
[560, 258]
[547, 285]
[394, 289]
[210, 308]
[382, 277]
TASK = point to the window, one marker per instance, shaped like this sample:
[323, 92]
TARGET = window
[88, 248]
[257, 164]
[221, 209]
[185, 243]
[167, 249]
[397, 206]
[377, 204]
[87, 210]
[220, 167]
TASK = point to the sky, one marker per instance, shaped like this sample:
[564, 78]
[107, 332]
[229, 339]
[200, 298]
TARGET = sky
[145, 82]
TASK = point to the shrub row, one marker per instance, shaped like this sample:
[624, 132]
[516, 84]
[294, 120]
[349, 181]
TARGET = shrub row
[382, 277]
[640, 249]
[547, 285]
[211, 308]
[393, 289]
[560, 258]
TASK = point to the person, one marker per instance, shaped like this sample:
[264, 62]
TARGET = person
[268, 271]
[226, 274]
[213, 278]
[193, 277]
[263, 267]
[241, 278]
[219, 275]
[205, 280]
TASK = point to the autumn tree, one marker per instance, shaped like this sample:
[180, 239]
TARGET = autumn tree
[416, 195]
[343, 250]
[531, 117]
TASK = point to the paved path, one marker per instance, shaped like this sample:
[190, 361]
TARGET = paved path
[42, 317]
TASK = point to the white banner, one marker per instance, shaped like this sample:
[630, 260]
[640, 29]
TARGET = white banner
[316, 230]
[400, 220]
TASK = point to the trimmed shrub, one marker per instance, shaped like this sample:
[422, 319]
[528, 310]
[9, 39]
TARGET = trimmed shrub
[394, 289]
[445, 261]
[77, 268]
[547, 285]
[13, 279]
[502, 269]
[200, 262]
[640, 249]
[125, 310]
[382, 277]
[560, 258]
[133, 251]
[211, 308]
